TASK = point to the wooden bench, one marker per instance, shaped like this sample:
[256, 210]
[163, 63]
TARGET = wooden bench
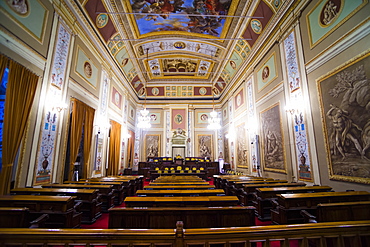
[12, 217]
[262, 201]
[339, 211]
[173, 187]
[193, 217]
[105, 192]
[118, 188]
[287, 208]
[91, 207]
[204, 192]
[62, 210]
[180, 201]
[178, 183]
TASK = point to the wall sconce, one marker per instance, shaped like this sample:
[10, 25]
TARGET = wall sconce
[294, 107]
[59, 107]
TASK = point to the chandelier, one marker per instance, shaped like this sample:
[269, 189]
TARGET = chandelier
[214, 121]
[144, 118]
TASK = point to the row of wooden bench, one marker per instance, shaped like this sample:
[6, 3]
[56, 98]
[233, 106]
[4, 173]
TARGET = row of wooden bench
[288, 203]
[66, 205]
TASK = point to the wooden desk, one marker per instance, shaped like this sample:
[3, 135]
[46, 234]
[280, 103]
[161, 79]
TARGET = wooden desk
[288, 206]
[192, 217]
[180, 187]
[59, 208]
[178, 183]
[249, 188]
[105, 192]
[118, 187]
[263, 198]
[91, 207]
[180, 201]
[339, 211]
[12, 217]
[205, 192]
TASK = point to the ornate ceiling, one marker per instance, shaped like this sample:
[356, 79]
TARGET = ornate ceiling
[182, 48]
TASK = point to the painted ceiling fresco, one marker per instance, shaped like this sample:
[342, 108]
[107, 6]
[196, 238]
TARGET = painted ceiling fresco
[182, 48]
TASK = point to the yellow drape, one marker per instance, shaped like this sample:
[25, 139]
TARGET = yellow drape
[20, 93]
[114, 149]
[88, 125]
[78, 116]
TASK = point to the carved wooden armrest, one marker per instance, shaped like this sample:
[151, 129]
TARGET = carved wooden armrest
[308, 218]
[39, 222]
[77, 206]
[274, 204]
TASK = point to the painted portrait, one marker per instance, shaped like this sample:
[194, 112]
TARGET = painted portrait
[241, 146]
[205, 146]
[345, 104]
[226, 149]
[202, 117]
[116, 98]
[152, 145]
[272, 140]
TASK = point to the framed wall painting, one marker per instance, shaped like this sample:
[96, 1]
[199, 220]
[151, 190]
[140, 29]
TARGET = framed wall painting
[205, 146]
[241, 146]
[152, 145]
[267, 72]
[239, 99]
[226, 148]
[272, 140]
[155, 117]
[202, 117]
[116, 98]
[344, 95]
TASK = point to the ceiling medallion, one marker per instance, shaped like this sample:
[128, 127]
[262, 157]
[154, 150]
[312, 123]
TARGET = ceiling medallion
[102, 20]
[155, 91]
[256, 26]
[203, 91]
[179, 45]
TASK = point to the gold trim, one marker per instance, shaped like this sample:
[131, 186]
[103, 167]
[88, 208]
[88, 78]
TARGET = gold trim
[237, 140]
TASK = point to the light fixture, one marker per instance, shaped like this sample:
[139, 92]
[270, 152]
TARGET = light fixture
[144, 118]
[214, 121]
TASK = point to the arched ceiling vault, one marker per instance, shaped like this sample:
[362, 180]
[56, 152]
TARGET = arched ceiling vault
[181, 49]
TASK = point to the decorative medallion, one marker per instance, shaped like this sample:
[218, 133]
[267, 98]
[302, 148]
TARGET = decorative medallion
[265, 73]
[178, 119]
[204, 117]
[137, 84]
[141, 91]
[179, 45]
[233, 64]
[202, 91]
[276, 3]
[238, 100]
[20, 7]
[256, 26]
[124, 62]
[330, 12]
[87, 69]
[117, 98]
[155, 91]
[102, 20]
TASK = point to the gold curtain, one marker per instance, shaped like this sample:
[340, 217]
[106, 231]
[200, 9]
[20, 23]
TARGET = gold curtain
[130, 148]
[88, 125]
[114, 149]
[78, 115]
[20, 93]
